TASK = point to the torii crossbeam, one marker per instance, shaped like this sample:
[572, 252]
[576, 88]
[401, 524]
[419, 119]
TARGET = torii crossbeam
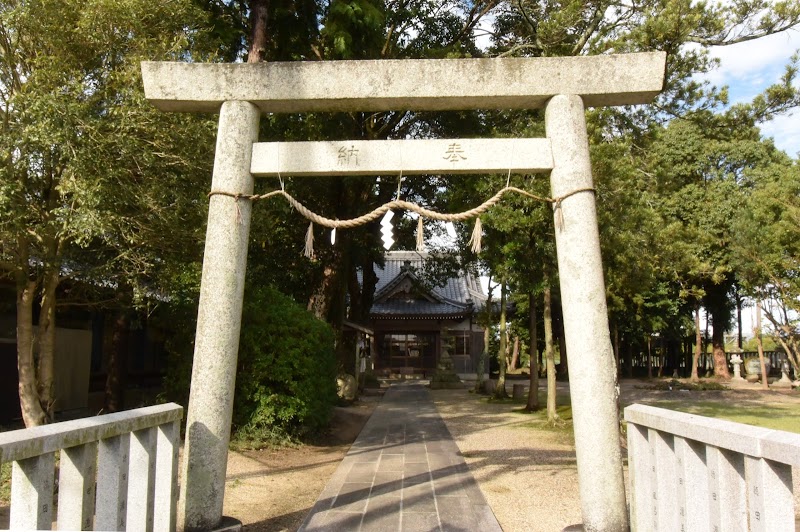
[563, 86]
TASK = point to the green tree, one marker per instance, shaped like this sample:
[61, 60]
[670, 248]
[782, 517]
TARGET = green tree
[352, 29]
[765, 247]
[77, 140]
[651, 286]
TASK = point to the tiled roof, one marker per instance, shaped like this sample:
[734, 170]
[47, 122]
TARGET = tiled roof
[455, 297]
[415, 308]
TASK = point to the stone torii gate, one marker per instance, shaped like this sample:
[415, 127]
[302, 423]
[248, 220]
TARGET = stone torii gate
[563, 86]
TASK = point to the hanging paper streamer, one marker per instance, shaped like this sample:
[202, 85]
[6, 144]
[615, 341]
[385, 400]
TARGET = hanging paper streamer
[386, 229]
[309, 249]
[386, 225]
[477, 233]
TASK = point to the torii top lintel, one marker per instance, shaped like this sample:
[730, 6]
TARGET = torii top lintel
[421, 85]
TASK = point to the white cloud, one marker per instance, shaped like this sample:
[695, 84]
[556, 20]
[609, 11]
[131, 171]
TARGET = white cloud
[750, 67]
[785, 130]
[749, 61]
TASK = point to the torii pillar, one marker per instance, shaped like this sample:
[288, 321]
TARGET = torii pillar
[561, 85]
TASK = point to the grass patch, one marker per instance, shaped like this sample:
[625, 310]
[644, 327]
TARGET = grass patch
[769, 416]
[539, 418]
[674, 384]
[561, 399]
[561, 431]
[537, 421]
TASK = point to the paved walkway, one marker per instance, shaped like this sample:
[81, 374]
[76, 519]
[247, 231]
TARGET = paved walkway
[404, 472]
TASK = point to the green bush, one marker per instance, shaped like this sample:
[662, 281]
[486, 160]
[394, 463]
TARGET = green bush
[286, 375]
[286, 382]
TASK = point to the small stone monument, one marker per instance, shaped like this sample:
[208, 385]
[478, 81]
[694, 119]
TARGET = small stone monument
[752, 366]
[785, 381]
[347, 388]
[445, 377]
[736, 360]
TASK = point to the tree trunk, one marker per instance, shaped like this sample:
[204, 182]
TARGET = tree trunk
[764, 376]
[47, 341]
[791, 353]
[718, 342]
[563, 368]
[698, 343]
[116, 378]
[552, 414]
[617, 359]
[259, 37]
[515, 354]
[649, 358]
[739, 319]
[479, 371]
[320, 301]
[533, 391]
[788, 343]
[500, 390]
[32, 412]
[629, 360]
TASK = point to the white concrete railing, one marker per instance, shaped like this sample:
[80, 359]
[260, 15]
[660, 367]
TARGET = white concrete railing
[693, 473]
[128, 459]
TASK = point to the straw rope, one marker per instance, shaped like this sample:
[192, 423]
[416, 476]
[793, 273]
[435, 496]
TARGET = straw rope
[400, 204]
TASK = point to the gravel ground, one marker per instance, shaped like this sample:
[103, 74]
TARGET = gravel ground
[524, 480]
[529, 475]
[272, 490]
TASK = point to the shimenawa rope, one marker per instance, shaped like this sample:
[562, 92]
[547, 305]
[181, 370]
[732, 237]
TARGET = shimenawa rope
[315, 218]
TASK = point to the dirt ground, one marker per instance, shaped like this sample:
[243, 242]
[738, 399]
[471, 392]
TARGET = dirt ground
[273, 490]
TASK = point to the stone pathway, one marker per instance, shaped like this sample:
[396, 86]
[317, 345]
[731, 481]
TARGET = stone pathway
[403, 472]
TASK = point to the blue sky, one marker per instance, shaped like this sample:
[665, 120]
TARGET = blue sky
[748, 68]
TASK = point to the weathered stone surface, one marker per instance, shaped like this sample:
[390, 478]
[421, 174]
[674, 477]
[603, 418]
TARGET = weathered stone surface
[446, 380]
[770, 503]
[141, 480]
[403, 468]
[166, 481]
[715, 487]
[411, 157]
[219, 321]
[737, 361]
[425, 84]
[32, 493]
[518, 392]
[76, 483]
[113, 458]
[27, 443]
[415, 85]
[776, 445]
[592, 372]
[346, 387]
[736, 437]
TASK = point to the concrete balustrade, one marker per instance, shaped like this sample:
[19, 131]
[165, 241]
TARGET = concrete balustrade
[690, 472]
[102, 460]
